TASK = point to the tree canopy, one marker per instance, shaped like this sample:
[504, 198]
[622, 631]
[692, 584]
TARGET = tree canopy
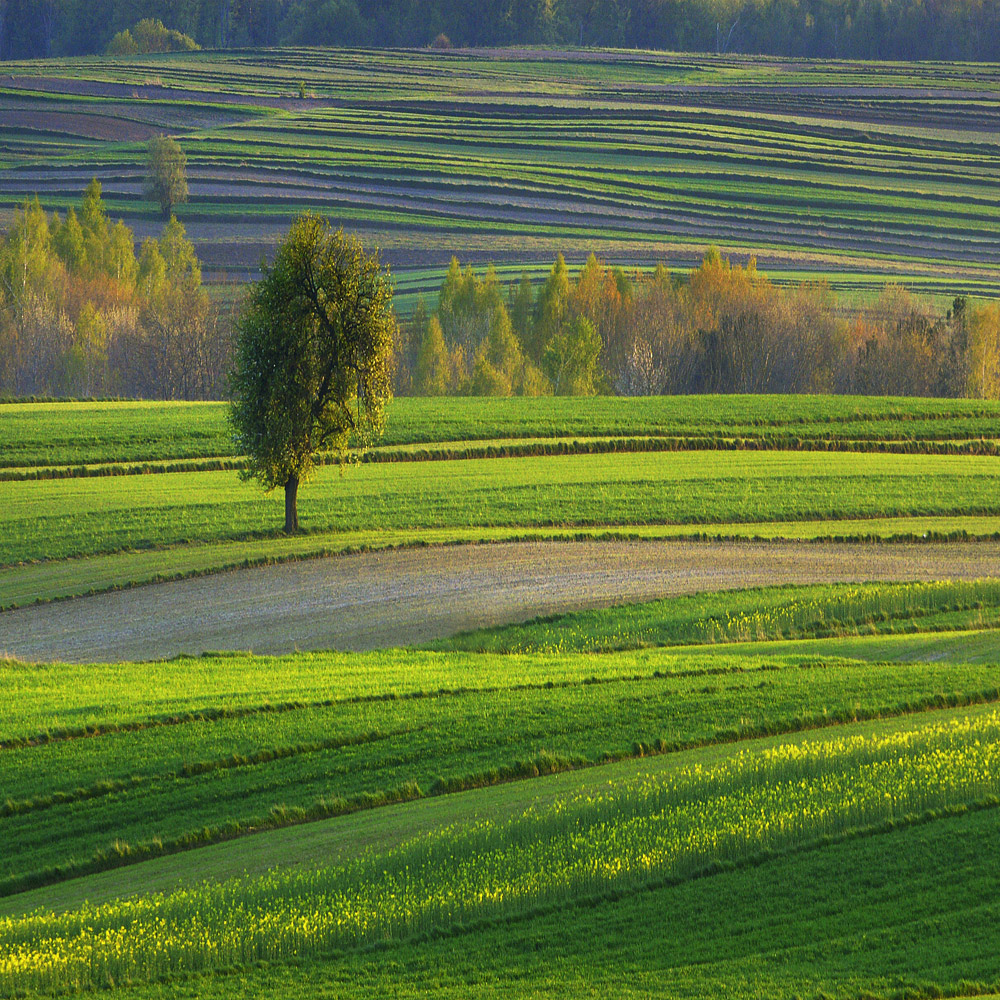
[81, 315]
[313, 358]
[868, 29]
[722, 327]
[166, 173]
[150, 35]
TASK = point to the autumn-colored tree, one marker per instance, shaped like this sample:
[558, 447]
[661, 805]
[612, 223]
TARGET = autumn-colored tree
[80, 315]
[982, 325]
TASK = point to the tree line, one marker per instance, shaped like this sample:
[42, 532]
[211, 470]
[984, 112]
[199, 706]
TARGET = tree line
[723, 327]
[869, 29]
[82, 315]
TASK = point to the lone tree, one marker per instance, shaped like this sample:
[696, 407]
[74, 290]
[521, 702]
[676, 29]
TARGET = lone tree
[166, 176]
[313, 357]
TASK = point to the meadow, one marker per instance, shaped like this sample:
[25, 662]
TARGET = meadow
[208, 773]
[98, 515]
[749, 615]
[850, 171]
[601, 836]
[64, 436]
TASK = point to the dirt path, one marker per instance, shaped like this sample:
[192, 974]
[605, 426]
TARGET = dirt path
[410, 596]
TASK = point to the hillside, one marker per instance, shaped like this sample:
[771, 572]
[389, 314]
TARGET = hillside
[856, 171]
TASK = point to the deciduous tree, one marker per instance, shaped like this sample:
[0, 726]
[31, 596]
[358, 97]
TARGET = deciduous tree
[313, 356]
[166, 176]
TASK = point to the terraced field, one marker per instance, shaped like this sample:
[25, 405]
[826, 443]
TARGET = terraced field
[856, 171]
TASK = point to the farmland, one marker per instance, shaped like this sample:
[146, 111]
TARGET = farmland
[685, 696]
[854, 171]
[435, 817]
[97, 496]
[52, 436]
[484, 471]
[97, 515]
[198, 770]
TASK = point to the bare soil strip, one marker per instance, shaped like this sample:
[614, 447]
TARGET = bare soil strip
[380, 599]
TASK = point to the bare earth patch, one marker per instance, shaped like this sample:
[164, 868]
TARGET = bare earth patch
[86, 126]
[375, 600]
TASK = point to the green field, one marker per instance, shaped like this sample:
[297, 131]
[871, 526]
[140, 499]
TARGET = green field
[838, 922]
[797, 467]
[749, 615]
[166, 787]
[60, 434]
[854, 171]
[90, 516]
[182, 763]
[766, 792]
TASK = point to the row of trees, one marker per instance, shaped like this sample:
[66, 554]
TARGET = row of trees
[82, 315]
[722, 328]
[906, 29]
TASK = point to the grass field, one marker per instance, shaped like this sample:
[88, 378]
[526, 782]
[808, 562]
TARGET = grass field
[750, 615]
[839, 169]
[156, 776]
[164, 787]
[90, 516]
[59, 434]
[838, 922]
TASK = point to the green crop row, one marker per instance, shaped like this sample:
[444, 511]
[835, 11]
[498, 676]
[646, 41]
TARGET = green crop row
[908, 913]
[90, 433]
[606, 151]
[56, 519]
[749, 615]
[526, 449]
[656, 828]
[84, 805]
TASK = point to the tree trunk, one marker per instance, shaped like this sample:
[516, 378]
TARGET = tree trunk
[291, 505]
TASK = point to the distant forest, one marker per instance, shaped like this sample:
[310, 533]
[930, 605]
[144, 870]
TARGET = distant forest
[866, 29]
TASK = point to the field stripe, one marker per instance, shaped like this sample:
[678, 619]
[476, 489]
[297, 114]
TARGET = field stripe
[379, 599]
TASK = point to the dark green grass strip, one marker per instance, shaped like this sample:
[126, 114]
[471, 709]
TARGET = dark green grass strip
[70, 435]
[525, 449]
